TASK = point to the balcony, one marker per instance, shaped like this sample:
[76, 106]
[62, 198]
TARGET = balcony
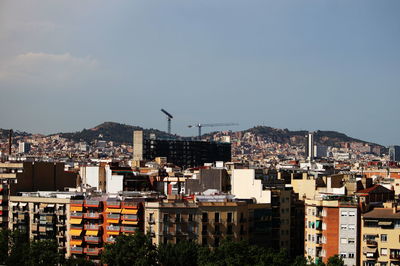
[129, 217]
[130, 205]
[92, 227]
[371, 243]
[92, 215]
[113, 204]
[76, 215]
[92, 239]
[129, 229]
[92, 203]
[92, 251]
[76, 250]
[110, 240]
[113, 216]
[113, 228]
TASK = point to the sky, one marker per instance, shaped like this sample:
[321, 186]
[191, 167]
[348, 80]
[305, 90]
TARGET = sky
[316, 64]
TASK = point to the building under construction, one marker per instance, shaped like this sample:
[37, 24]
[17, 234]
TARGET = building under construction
[183, 153]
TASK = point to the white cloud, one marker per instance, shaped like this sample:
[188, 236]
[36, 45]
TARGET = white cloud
[44, 68]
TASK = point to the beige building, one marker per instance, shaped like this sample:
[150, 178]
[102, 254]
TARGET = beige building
[207, 221]
[42, 217]
[380, 230]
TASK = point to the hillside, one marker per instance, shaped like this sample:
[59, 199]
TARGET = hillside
[4, 133]
[111, 131]
[328, 138]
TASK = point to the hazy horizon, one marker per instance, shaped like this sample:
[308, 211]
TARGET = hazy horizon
[301, 65]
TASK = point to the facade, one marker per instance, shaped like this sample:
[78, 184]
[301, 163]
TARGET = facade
[206, 222]
[182, 153]
[394, 153]
[41, 217]
[209, 179]
[332, 227]
[380, 230]
[24, 147]
[96, 221]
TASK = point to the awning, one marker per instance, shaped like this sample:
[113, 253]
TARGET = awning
[75, 232]
[129, 211]
[23, 204]
[43, 205]
[50, 205]
[112, 220]
[113, 210]
[76, 208]
[129, 222]
[75, 221]
[113, 233]
[385, 223]
[75, 242]
[14, 204]
[92, 233]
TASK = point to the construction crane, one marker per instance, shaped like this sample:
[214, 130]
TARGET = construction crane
[169, 117]
[199, 126]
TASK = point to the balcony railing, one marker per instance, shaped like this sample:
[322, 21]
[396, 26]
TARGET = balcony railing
[76, 250]
[92, 215]
[92, 227]
[129, 229]
[113, 216]
[129, 217]
[371, 242]
[76, 215]
[113, 228]
[92, 251]
[129, 205]
[113, 204]
[93, 239]
[76, 202]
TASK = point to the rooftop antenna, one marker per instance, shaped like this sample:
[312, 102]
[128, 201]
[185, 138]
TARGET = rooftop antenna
[10, 142]
[169, 117]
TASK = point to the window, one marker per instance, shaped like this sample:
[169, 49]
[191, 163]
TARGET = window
[343, 213]
[204, 229]
[352, 213]
[383, 251]
[190, 217]
[351, 255]
[229, 217]
[343, 241]
[343, 255]
[351, 241]
[217, 231]
[178, 217]
[352, 227]
[383, 237]
[204, 241]
[216, 216]
[343, 226]
[151, 218]
[205, 217]
[166, 217]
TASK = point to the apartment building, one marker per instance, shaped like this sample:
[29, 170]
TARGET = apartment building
[98, 220]
[207, 220]
[331, 227]
[380, 230]
[41, 215]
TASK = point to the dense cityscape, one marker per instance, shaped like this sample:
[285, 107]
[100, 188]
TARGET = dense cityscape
[302, 198]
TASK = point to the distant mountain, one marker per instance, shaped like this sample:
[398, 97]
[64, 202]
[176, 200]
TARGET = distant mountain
[4, 133]
[328, 138]
[111, 131]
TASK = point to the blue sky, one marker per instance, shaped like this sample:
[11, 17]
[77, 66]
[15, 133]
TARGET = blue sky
[329, 65]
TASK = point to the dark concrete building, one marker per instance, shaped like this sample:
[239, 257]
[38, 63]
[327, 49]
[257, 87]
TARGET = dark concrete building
[183, 153]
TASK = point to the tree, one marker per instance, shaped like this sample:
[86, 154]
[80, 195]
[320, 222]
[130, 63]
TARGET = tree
[134, 249]
[78, 262]
[335, 261]
[18, 248]
[4, 238]
[43, 252]
[181, 254]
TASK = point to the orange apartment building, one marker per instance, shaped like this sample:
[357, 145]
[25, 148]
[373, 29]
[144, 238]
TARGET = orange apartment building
[96, 221]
